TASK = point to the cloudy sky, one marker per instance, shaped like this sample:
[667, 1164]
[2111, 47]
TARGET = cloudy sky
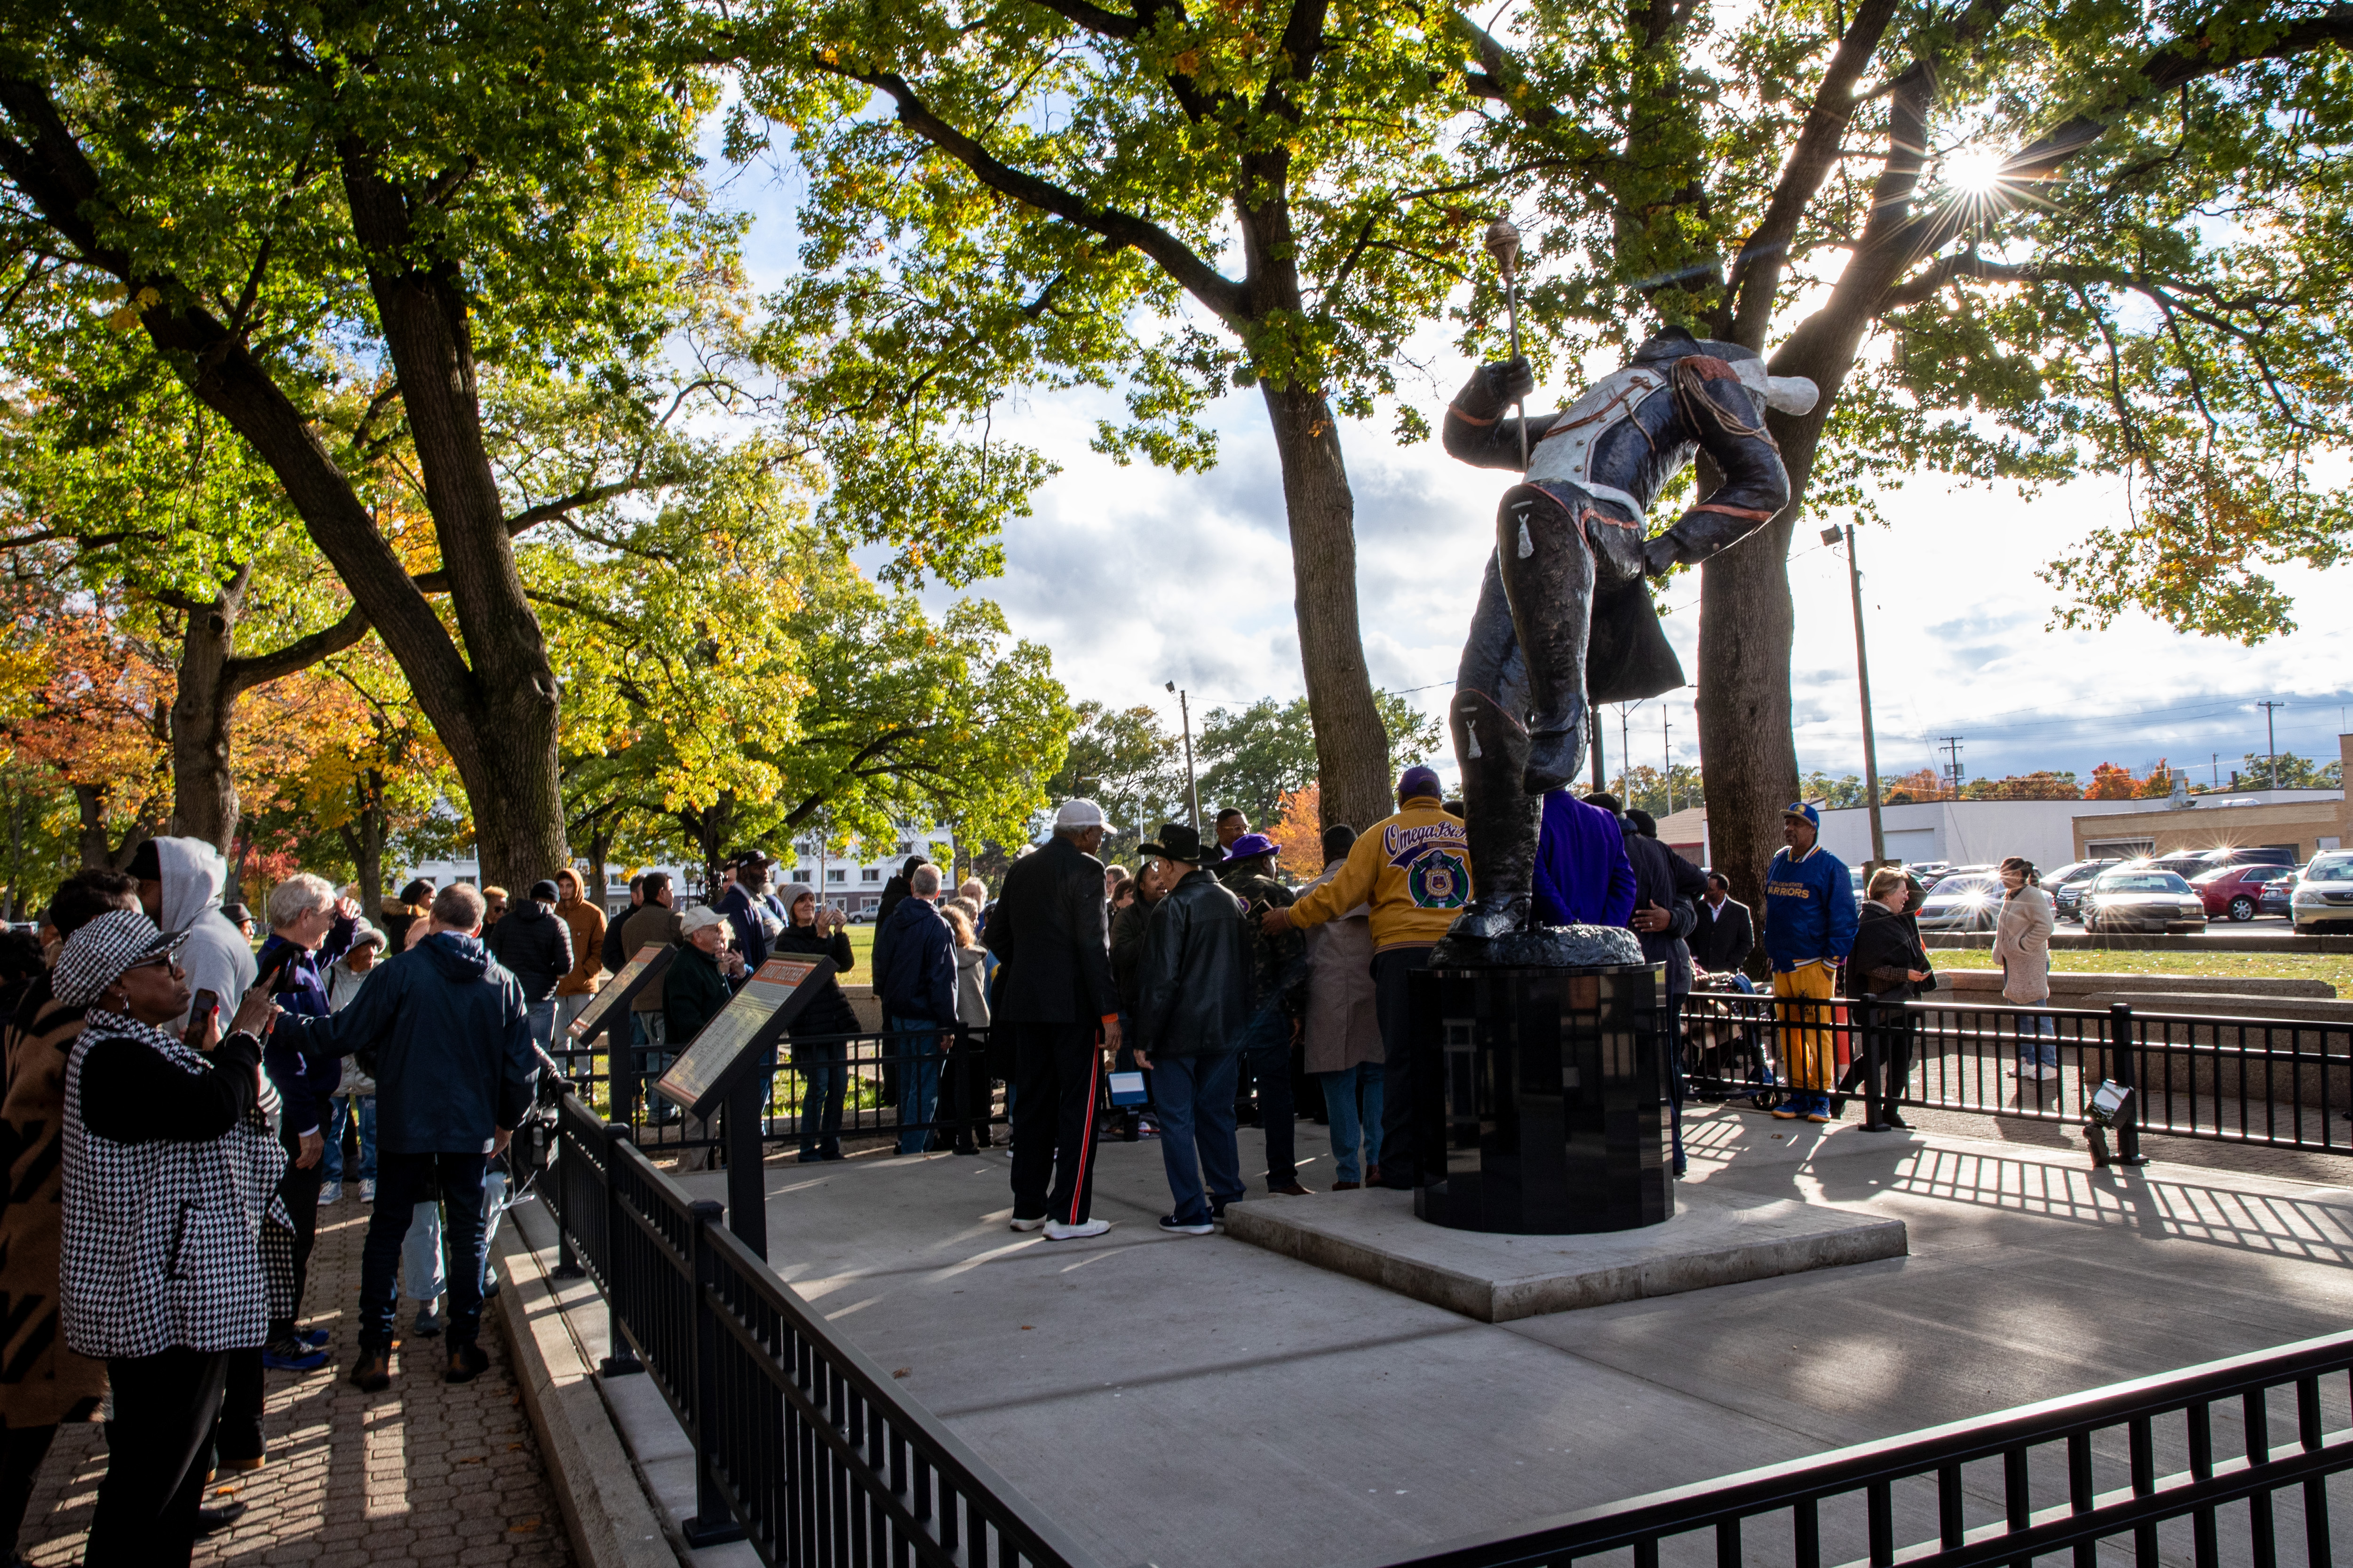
[1136, 577]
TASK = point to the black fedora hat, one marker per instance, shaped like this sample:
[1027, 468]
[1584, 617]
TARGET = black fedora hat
[1176, 841]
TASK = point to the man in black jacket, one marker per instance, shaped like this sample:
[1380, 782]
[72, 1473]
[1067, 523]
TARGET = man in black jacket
[535, 947]
[1725, 935]
[1192, 999]
[1056, 996]
[917, 983]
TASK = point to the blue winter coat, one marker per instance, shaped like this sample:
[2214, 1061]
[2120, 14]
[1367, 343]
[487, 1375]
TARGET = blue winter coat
[306, 1081]
[454, 1059]
[918, 976]
[1808, 909]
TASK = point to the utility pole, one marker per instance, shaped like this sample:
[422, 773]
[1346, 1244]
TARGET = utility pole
[1863, 685]
[2271, 743]
[1667, 756]
[1951, 746]
[1192, 793]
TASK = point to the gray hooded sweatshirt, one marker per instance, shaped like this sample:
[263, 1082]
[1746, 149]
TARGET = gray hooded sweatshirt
[217, 958]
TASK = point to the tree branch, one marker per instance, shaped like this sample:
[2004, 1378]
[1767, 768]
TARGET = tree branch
[1755, 275]
[241, 675]
[1179, 260]
[1094, 18]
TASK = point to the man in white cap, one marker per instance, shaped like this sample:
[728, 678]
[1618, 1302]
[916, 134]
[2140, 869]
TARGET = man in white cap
[1056, 997]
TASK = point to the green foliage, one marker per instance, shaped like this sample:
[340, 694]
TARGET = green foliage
[2288, 771]
[1252, 757]
[2042, 785]
[2014, 244]
[1833, 793]
[1645, 788]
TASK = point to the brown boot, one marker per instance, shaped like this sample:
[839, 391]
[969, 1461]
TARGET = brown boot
[467, 1362]
[372, 1371]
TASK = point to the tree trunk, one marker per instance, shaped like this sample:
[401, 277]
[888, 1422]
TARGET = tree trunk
[363, 837]
[205, 802]
[1351, 748]
[97, 854]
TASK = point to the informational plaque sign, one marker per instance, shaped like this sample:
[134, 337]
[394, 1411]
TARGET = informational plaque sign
[754, 1020]
[648, 964]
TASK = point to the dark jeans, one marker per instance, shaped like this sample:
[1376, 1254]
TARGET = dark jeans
[915, 1043]
[1390, 1006]
[299, 1189]
[1058, 1071]
[1193, 1100]
[1671, 1067]
[404, 1181]
[824, 1077]
[22, 1449]
[1893, 1026]
[164, 1410]
[1266, 1043]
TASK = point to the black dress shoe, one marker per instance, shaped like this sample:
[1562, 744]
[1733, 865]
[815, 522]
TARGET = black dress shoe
[212, 1520]
[467, 1362]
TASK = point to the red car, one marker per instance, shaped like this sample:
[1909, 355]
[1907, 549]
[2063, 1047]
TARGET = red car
[2237, 892]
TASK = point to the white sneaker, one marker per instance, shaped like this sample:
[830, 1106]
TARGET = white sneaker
[1057, 1231]
[331, 1193]
[2046, 1071]
[367, 1191]
[1020, 1224]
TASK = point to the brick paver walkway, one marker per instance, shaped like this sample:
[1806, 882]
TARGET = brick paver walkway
[423, 1473]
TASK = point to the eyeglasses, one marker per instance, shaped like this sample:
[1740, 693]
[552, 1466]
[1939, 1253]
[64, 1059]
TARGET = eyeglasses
[167, 961]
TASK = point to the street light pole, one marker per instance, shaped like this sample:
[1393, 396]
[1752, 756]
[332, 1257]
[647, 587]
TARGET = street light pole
[1863, 684]
[2271, 744]
[1192, 791]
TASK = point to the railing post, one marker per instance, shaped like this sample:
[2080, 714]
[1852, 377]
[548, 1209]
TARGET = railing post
[713, 1521]
[621, 1068]
[2123, 1051]
[567, 1161]
[1864, 1011]
[621, 1356]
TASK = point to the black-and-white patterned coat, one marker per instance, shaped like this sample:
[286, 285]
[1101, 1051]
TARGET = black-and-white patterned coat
[165, 1238]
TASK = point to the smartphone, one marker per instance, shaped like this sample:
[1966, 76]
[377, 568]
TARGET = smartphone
[267, 979]
[201, 1012]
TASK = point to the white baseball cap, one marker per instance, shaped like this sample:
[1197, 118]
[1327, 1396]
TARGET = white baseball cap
[1079, 813]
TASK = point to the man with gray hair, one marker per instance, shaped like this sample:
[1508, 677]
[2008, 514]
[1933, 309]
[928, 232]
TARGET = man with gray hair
[1058, 997]
[917, 982]
[454, 1076]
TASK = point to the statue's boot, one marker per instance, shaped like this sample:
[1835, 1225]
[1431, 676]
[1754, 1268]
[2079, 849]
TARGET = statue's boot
[1548, 575]
[1502, 822]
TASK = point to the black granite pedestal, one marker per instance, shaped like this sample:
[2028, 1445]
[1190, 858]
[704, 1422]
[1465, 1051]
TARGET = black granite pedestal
[1539, 1105]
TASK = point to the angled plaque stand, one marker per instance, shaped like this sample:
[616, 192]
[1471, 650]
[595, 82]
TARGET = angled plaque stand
[609, 1014]
[726, 1065]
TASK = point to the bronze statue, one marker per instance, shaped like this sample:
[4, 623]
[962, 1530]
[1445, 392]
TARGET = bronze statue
[1565, 618]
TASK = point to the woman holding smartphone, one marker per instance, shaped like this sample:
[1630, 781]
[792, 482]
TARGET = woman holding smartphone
[820, 1054]
[169, 1209]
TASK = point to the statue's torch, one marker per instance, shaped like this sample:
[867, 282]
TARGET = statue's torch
[1503, 244]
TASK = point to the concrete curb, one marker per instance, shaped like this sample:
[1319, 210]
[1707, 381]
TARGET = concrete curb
[606, 1511]
[1498, 1278]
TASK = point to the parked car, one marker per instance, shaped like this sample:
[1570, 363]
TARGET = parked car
[2142, 898]
[862, 917]
[2237, 892]
[2278, 897]
[2324, 894]
[2066, 884]
[1962, 904]
[2252, 855]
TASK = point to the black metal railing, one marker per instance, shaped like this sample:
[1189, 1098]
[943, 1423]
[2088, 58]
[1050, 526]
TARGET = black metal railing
[802, 1444]
[2228, 1462]
[871, 1073]
[2276, 1082]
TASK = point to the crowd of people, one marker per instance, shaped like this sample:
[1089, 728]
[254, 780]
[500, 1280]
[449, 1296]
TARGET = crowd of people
[181, 1105]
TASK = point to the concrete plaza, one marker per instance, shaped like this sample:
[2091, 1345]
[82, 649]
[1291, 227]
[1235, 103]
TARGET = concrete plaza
[1184, 1401]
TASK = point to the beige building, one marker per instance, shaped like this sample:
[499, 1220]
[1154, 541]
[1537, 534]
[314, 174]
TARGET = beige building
[2209, 822]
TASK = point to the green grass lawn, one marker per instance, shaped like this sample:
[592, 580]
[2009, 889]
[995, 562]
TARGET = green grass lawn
[2334, 967]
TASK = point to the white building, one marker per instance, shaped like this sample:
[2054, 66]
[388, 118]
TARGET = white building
[852, 886]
